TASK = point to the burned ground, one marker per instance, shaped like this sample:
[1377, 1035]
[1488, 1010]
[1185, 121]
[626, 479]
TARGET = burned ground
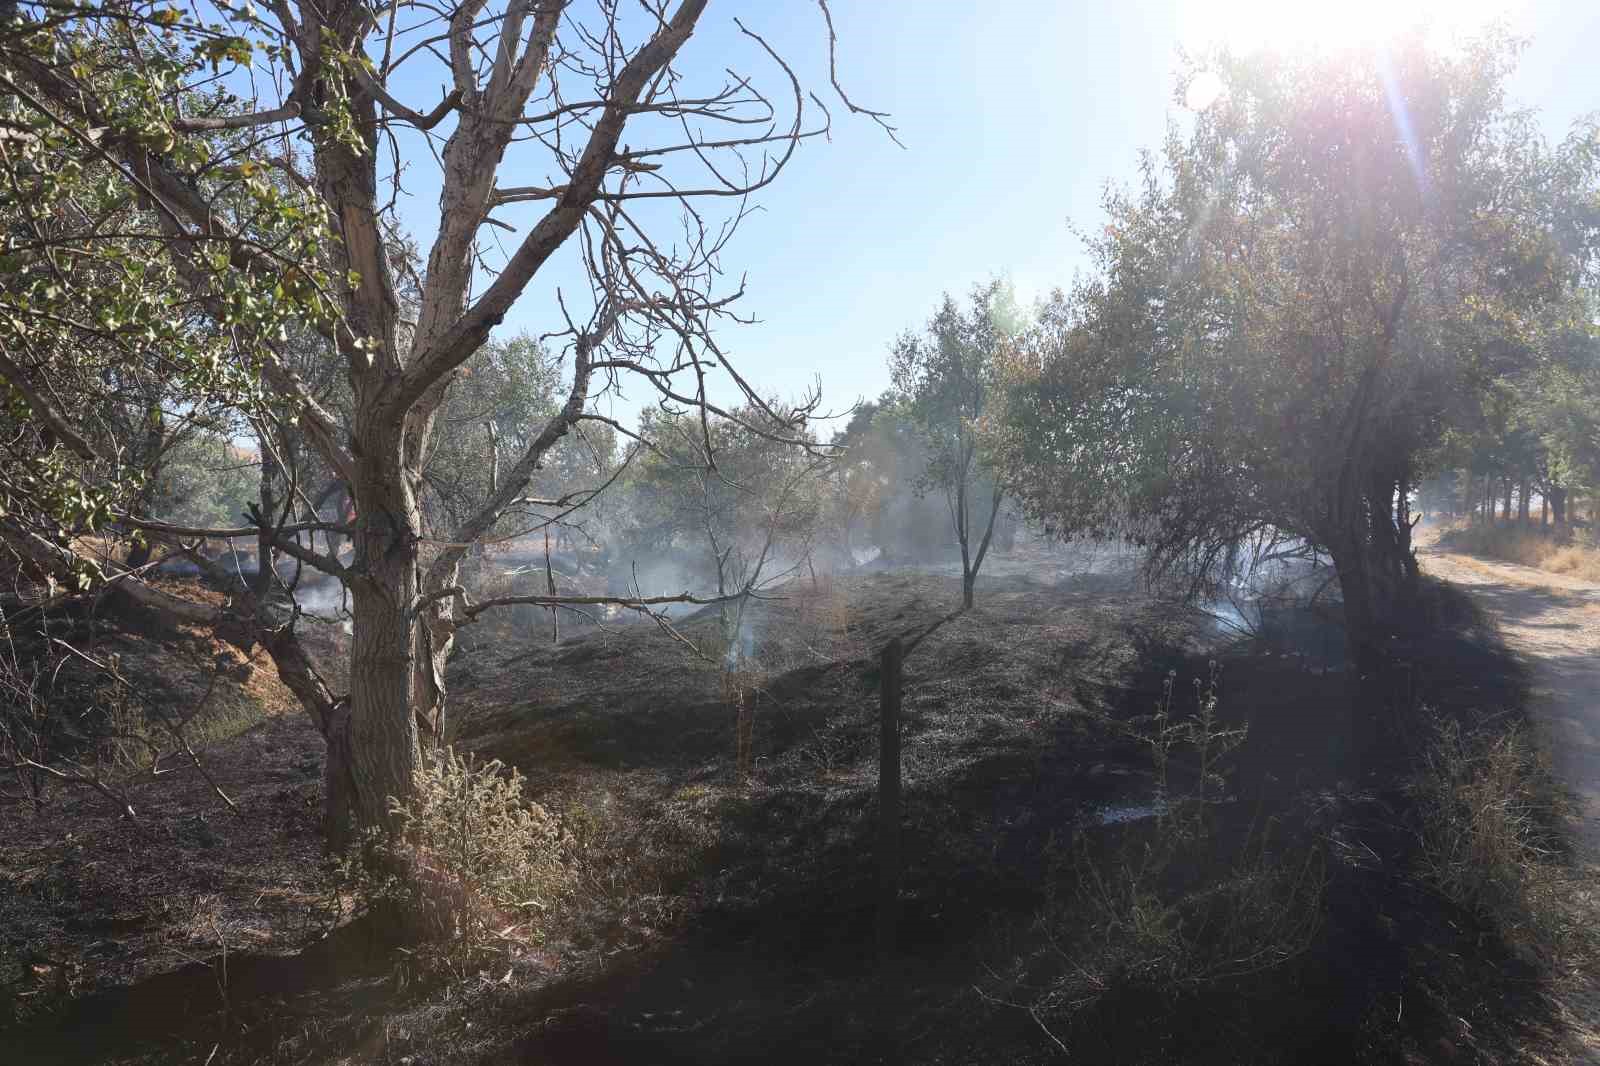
[723, 919]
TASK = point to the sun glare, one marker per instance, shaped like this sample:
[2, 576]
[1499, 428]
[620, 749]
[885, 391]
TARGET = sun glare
[1251, 25]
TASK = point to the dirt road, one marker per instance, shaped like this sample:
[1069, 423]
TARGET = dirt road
[1553, 622]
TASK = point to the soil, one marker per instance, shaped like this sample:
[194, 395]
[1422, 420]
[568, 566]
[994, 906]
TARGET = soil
[122, 928]
[120, 937]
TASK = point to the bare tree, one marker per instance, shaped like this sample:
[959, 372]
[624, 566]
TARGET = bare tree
[547, 89]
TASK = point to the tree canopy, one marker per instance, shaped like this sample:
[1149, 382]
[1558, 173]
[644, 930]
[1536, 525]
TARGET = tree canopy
[1301, 294]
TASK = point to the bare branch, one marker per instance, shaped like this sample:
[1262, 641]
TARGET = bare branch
[880, 117]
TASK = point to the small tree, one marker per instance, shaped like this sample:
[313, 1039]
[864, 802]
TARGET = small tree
[948, 376]
[745, 506]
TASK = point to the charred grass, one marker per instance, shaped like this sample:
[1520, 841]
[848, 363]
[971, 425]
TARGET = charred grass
[728, 917]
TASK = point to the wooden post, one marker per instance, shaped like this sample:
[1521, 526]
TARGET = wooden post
[889, 797]
[743, 729]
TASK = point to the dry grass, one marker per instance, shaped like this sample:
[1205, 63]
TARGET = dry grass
[1492, 842]
[1143, 923]
[1184, 909]
[476, 868]
[1562, 551]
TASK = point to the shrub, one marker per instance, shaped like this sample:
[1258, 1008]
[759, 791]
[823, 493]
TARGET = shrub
[477, 867]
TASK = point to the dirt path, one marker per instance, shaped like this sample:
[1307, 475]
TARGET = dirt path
[1553, 622]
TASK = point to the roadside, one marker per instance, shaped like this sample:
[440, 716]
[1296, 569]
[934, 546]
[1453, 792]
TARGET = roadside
[1552, 622]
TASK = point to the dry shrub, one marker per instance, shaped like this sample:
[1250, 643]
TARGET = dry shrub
[825, 614]
[1489, 815]
[519, 624]
[1175, 908]
[1580, 560]
[475, 868]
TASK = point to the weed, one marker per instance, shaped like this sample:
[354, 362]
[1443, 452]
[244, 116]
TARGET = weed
[1202, 734]
[1173, 908]
[1164, 919]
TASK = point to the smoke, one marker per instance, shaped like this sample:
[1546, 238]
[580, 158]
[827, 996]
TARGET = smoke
[327, 599]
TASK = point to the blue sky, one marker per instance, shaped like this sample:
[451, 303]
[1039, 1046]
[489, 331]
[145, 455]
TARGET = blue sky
[1014, 115]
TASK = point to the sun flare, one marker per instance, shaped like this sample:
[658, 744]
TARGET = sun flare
[1252, 25]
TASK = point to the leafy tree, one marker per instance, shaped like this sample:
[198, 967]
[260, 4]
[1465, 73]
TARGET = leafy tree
[1287, 311]
[947, 377]
[186, 188]
[205, 481]
[509, 389]
[882, 457]
[744, 507]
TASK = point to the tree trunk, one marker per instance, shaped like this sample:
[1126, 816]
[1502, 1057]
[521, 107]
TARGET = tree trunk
[381, 745]
[1544, 509]
[1362, 660]
[265, 571]
[550, 586]
[968, 577]
[1523, 502]
[376, 756]
[1558, 504]
[1410, 571]
[969, 574]
[1506, 512]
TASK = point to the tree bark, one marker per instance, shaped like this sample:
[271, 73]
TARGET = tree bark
[970, 576]
[390, 649]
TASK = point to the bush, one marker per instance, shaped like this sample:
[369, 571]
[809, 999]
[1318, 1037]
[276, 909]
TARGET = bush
[477, 868]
